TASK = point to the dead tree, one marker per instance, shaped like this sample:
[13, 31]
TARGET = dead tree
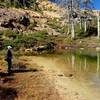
[87, 6]
[72, 8]
[98, 22]
[74, 14]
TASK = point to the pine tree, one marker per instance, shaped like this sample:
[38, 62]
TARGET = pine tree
[18, 3]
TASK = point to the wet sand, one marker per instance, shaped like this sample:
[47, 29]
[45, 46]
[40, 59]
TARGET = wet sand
[68, 86]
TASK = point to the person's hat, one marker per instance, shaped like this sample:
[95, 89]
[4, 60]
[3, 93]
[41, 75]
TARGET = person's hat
[9, 47]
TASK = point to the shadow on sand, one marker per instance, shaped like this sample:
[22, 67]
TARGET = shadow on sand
[18, 69]
[7, 93]
[2, 74]
[21, 68]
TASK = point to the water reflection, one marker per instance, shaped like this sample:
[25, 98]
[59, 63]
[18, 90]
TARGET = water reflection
[98, 62]
[86, 65]
[98, 70]
[73, 61]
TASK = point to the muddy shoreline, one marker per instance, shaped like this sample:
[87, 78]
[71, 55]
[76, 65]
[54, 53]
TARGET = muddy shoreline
[45, 82]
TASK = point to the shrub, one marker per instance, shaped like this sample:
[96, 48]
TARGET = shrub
[20, 41]
[40, 35]
[90, 31]
[1, 33]
[17, 3]
[25, 40]
[80, 33]
[10, 33]
[32, 25]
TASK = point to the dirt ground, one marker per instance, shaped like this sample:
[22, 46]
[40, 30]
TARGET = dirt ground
[38, 81]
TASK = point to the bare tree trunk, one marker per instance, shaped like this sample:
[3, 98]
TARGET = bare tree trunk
[98, 21]
[72, 21]
[85, 26]
[72, 30]
[80, 23]
[68, 23]
[68, 29]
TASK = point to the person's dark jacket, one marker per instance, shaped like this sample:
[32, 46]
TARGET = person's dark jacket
[8, 55]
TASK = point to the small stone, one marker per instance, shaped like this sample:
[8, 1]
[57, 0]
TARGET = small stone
[60, 75]
[35, 70]
[70, 75]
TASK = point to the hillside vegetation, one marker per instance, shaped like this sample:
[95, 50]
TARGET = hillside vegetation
[37, 22]
[26, 24]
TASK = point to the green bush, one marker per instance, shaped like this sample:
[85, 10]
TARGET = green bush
[1, 33]
[32, 25]
[91, 31]
[80, 33]
[20, 41]
[56, 24]
[17, 3]
[10, 33]
[53, 23]
[40, 35]
[25, 40]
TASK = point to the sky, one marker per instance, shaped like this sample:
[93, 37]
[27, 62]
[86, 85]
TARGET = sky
[96, 4]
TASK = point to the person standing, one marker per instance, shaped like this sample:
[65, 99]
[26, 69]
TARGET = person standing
[8, 58]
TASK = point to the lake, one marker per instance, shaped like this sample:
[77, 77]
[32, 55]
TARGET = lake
[83, 64]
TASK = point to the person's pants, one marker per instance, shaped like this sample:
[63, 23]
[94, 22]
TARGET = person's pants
[9, 66]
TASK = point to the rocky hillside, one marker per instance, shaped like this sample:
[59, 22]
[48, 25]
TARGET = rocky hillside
[26, 19]
[18, 25]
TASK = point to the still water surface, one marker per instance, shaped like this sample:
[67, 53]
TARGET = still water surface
[84, 64]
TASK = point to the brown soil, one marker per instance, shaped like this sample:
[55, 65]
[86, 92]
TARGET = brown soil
[28, 85]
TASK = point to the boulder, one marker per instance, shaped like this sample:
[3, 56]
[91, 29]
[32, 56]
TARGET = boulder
[7, 24]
